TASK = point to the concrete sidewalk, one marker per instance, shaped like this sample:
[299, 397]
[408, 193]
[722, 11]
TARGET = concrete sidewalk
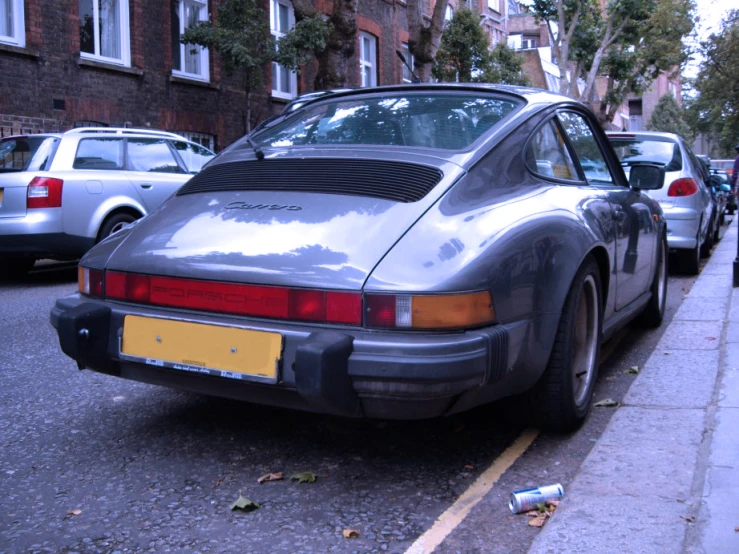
[664, 476]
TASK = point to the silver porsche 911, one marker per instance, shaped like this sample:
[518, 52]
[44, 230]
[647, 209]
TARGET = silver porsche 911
[396, 252]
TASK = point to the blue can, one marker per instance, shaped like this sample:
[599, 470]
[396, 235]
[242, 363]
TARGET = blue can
[528, 499]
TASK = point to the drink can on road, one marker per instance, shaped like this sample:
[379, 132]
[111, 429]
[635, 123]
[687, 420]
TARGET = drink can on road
[525, 500]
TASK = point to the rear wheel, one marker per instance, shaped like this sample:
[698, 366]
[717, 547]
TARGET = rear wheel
[690, 259]
[115, 223]
[708, 244]
[562, 397]
[654, 311]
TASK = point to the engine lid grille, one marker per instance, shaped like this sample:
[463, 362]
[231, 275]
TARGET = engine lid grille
[396, 181]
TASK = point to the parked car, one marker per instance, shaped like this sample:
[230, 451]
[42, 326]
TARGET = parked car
[685, 199]
[724, 182]
[62, 193]
[395, 252]
[724, 165]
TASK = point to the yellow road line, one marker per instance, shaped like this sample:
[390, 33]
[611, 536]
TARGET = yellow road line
[455, 514]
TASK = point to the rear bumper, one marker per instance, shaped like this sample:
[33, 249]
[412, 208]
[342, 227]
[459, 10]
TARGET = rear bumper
[349, 372]
[682, 227]
[39, 234]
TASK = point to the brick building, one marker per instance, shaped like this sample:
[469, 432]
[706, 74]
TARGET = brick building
[69, 63]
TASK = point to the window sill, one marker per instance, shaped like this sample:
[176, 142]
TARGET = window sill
[84, 62]
[194, 82]
[23, 51]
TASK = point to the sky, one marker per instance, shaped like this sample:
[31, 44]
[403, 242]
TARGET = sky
[711, 13]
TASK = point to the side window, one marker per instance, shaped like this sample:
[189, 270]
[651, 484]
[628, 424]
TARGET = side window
[547, 154]
[151, 155]
[99, 153]
[591, 157]
[194, 156]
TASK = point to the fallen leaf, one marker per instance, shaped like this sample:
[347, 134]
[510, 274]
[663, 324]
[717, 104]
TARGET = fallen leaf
[218, 483]
[304, 477]
[350, 533]
[538, 521]
[710, 338]
[74, 512]
[610, 378]
[270, 477]
[553, 503]
[689, 519]
[469, 466]
[736, 529]
[243, 503]
[606, 403]
[634, 369]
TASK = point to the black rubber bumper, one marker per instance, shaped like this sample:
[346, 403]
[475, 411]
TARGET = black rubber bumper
[348, 373]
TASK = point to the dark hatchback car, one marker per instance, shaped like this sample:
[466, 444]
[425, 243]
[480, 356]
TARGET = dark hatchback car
[400, 252]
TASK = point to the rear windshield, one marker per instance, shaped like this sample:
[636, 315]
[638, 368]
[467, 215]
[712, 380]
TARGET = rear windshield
[449, 121]
[32, 153]
[663, 152]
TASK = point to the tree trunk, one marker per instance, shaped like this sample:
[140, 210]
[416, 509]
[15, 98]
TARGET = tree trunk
[423, 41]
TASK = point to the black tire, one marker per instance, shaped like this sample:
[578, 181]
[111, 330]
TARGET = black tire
[689, 260]
[114, 223]
[15, 268]
[562, 397]
[708, 244]
[654, 312]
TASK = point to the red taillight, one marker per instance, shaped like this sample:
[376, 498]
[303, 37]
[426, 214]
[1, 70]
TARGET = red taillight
[344, 307]
[254, 300]
[44, 192]
[381, 310]
[682, 187]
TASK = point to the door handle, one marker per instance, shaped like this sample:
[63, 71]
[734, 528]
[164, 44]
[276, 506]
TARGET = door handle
[146, 185]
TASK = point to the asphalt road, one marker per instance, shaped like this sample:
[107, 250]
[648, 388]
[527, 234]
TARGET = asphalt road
[92, 463]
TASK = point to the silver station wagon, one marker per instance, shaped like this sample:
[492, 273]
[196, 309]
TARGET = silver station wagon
[396, 252]
[60, 194]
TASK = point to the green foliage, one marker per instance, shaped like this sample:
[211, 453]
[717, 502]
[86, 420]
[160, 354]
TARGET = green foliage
[242, 38]
[464, 49]
[715, 110]
[505, 66]
[464, 55]
[668, 118]
[303, 42]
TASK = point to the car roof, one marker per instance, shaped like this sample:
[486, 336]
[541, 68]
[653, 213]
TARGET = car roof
[532, 95]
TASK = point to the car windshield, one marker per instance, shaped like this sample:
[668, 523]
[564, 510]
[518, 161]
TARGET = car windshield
[665, 152]
[449, 121]
[26, 153]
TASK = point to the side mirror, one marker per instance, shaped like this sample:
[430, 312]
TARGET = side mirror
[646, 176]
[723, 187]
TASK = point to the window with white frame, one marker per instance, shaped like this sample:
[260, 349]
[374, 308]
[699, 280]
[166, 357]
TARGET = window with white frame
[449, 15]
[407, 75]
[368, 59]
[104, 31]
[188, 60]
[282, 19]
[12, 24]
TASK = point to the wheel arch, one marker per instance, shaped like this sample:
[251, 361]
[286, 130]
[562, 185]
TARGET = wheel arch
[129, 210]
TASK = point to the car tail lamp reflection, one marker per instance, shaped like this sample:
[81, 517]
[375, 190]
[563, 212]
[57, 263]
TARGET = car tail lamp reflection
[44, 192]
[90, 281]
[254, 300]
[683, 187]
[442, 311]
[383, 311]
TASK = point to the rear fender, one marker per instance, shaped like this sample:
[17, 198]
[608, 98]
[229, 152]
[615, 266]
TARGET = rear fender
[109, 206]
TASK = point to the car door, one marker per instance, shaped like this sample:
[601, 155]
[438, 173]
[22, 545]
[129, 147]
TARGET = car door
[636, 231]
[154, 170]
[96, 177]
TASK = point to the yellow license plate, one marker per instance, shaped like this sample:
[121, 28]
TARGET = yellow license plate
[196, 347]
